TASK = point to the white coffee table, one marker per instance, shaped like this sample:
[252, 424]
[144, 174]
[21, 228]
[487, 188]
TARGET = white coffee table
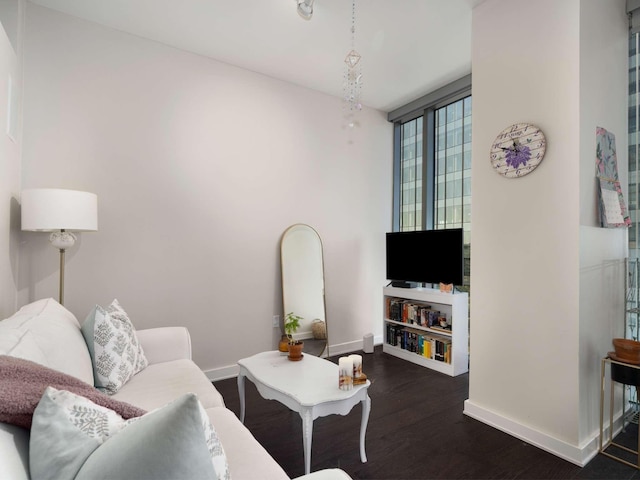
[309, 387]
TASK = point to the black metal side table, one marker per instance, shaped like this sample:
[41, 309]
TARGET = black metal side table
[626, 374]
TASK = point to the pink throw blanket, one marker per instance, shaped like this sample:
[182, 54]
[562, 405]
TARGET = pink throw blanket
[22, 384]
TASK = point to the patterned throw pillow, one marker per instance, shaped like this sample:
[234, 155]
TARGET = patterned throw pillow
[73, 438]
[218, 457]
[118, 313]
[115, 351]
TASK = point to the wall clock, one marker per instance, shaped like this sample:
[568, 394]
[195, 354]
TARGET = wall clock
[518, 150]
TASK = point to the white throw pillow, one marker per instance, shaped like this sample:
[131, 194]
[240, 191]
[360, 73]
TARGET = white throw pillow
[56, 332]
[73, 438]
[115, 351]
[21, 344]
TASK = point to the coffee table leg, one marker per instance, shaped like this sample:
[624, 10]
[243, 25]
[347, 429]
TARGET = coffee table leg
[241, 395]
[366, 408]
[307, 434]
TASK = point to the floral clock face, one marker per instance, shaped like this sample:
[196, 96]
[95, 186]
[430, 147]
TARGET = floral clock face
[518, 150]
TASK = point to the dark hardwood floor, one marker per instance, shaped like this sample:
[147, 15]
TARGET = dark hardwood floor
[416, 431]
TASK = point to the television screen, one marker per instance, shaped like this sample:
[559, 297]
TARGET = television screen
[427, 256]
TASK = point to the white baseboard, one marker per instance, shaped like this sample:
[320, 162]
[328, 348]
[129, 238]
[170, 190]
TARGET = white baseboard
[222, 373]
[343, 348]
[230, 371]
[578, 455]
[302, 336]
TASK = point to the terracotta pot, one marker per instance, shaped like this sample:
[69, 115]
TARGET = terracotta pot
[627, 350]
[295, 351]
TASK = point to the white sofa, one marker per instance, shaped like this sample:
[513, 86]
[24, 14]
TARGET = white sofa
[47, 333]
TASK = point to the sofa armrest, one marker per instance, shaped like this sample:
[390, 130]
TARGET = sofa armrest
[165, 344]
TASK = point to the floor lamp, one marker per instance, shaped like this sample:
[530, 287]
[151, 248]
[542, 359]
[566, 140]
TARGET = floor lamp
[60, 212]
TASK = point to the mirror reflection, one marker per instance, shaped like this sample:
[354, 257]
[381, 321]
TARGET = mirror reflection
[303, 286]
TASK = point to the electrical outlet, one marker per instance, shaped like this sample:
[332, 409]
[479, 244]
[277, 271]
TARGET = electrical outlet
[276, 321]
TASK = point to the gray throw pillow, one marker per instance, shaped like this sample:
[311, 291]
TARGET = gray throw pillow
[73, 438]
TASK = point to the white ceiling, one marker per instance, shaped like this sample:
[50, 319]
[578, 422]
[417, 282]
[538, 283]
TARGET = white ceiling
[408, 47]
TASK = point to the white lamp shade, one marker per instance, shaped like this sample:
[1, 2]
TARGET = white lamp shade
[50, 209]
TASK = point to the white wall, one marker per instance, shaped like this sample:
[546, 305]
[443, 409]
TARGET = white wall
[199, 167]
[534, 353]
[604, 84]
[11, 16]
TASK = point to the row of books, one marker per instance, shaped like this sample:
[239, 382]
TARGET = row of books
[405, 311]
[431, 346]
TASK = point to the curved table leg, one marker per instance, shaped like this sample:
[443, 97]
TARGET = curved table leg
[241, 394]
[307, 434]
[366, 408]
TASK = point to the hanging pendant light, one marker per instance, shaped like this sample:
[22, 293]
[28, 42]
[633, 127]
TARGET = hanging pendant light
[305, 9]
[352, 81]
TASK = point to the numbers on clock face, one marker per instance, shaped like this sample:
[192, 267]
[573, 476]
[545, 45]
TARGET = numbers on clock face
[518, 150]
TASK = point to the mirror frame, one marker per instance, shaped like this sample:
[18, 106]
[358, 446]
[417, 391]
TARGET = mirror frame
[295, 226]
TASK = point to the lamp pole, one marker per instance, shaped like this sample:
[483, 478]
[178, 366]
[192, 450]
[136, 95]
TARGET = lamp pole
[62, 240]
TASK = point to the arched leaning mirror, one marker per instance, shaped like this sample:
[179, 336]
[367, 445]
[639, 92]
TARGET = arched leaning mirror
[303, 286]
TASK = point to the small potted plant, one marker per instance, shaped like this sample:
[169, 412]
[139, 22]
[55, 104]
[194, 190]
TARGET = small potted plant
[291, 325]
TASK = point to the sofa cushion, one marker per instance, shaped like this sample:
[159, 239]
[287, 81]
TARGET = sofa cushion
[73, 438]
[114, 348]
[14, 452]
[23, 383]
[54, 331]
[160, 383]
[247, 459]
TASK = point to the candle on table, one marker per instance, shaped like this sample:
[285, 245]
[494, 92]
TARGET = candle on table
[357, 365]
[345, 372]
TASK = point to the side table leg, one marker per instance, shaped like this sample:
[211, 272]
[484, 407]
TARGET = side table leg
[241, 395]
[307, 434]
[602, 404]
[366, 408]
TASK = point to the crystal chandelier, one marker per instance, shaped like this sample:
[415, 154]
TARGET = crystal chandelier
[352, 81]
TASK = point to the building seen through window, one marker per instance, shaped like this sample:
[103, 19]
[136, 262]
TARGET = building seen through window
[435, 174]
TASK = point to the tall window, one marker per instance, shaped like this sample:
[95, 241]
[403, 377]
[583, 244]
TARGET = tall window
[411, 176]
[634, 166]
[432, 164]
[453, 167]
[633, 280]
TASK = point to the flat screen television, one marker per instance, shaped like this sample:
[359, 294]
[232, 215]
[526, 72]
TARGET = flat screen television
[427, 256]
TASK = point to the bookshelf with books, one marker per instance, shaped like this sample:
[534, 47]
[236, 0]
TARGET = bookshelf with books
[427, 327]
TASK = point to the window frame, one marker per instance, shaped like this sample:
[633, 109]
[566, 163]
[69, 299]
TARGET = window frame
[423, 107]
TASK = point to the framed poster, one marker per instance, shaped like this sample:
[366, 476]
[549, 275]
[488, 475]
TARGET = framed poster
[613, 210]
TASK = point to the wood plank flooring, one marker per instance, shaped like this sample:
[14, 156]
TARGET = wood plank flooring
[416, 431]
